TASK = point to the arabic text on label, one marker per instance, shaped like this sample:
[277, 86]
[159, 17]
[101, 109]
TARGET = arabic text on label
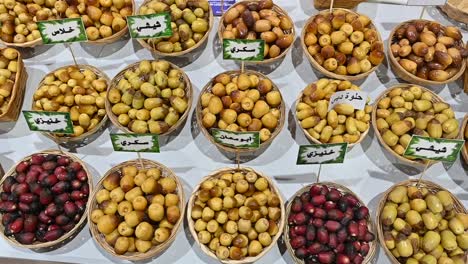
[355, 98]
[49, 122]
[131, 143]
[62, 31]
[244, 50]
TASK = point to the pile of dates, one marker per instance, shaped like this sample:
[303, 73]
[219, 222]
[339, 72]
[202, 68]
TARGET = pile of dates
[44, 199]
[429, 50]
[329, 226]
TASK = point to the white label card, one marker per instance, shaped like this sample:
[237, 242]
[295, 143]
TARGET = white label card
[357, 99]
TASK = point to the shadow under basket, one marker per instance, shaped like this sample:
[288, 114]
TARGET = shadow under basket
[433, 188]
[155, 249]
[205, 249]
[411, 78]
[206, 132]
[373, 245]
[67, 237]
[88, 136]
[17, 93]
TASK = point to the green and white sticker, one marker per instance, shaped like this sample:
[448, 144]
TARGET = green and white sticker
[321, 153]
[53, 122]
[243, 49]
[62, 30]
[236, 139]
[438, 149]
[150, 26]
[135, 142]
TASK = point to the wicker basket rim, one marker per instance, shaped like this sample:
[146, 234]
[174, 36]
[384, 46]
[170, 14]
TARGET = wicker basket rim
[413, 182]
[435, 97]
[320, 67]
[14, 92]
[100, 74]
[134, 256]
[414, 78]
[205, 132]
[281, 11]
[183, 52]
[119, 76]
[204, 248]
[70, 233]
[316, 141]
[373, 245]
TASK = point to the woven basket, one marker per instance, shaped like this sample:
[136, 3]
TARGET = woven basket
[316, 141]
[107, 40]
[319, 67]
[403, 74]
[279, 11]
[373, 245]
[155, 250]
[207, 134]
[120, 75]
[17, 93]
[348, 4]
[183, 52]
[67, 237]
[207, 250]
[85, 138]
[435, 99]
[432, 187]
[456, 9]
[463, 128]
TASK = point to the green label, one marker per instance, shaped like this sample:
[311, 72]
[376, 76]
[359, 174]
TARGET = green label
[439, 149]
[150, 26]
[135, 142]
[322, 153]
[53, 122]
[243, 49]
[62, 31]
[236, 139]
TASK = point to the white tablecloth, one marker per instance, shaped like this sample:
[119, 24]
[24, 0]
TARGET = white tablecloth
[368, 169]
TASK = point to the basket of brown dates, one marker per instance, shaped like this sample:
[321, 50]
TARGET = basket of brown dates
[43, 200]
[328, 223]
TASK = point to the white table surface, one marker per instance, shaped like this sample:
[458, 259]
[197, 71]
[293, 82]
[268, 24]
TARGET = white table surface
[368, 170]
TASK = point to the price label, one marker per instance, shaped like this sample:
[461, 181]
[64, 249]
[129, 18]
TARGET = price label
[53, 122]
[62, 31]
[150, 26]
[321, 153]
[135, 142]
[438, 149]
[217, 4]
[357, 99]
[243, 49]
[236, 139]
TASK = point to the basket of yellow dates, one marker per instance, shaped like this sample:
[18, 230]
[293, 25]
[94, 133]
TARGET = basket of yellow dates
[405, 110]
[236, 215]
[149, 96]
[136, 209]
[421, 222]
[341, 124]
[241, 102]
[79, 90]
